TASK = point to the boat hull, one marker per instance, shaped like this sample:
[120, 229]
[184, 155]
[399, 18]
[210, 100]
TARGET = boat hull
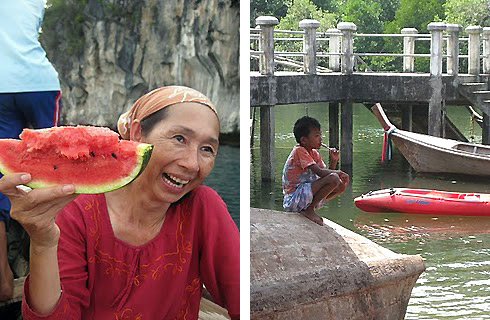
[421, 201]
[431, 158]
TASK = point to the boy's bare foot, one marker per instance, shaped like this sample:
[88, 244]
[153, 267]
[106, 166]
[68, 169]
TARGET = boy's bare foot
[311, 214]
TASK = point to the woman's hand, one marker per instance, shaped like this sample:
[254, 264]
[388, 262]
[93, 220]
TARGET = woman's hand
[36, 210]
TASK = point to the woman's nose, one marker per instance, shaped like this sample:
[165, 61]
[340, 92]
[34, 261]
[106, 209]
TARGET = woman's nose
[190, 161]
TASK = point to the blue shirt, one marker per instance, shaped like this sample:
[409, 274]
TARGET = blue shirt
[24, 66]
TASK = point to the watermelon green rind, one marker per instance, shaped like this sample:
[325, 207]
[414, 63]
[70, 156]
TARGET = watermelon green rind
[143, 156]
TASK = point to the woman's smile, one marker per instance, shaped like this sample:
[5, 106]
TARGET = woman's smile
[174, 183]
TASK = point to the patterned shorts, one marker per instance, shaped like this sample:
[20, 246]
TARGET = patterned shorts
[300, 199]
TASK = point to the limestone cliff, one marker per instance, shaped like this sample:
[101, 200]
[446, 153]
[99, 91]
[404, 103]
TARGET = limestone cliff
[110, 52]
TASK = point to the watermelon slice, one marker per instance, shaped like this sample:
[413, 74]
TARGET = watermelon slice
[93, 159]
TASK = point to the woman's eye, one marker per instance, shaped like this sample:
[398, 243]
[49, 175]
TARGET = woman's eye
[208, 149]
[179, 138]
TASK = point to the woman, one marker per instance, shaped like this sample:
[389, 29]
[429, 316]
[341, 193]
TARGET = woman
[143, 251]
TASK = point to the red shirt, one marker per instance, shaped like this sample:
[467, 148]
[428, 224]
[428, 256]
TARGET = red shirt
[103, 277]
[296, 169]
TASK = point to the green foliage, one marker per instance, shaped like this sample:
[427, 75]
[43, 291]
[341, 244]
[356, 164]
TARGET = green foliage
[63, 25]
[305, 9]
[468, 12]
[276, 8]
[416, 14]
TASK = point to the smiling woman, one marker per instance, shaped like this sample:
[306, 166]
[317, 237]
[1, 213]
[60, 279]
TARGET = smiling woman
[148, 248]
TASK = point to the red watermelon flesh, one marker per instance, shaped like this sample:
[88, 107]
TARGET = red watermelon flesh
[91, 158]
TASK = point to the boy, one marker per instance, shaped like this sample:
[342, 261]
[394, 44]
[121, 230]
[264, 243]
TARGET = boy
[306, 182]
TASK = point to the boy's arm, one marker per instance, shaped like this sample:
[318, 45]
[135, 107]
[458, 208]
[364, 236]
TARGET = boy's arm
[334, 159]
[322, 172]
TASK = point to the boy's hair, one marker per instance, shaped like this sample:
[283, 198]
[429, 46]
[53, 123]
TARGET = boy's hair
[303, 125]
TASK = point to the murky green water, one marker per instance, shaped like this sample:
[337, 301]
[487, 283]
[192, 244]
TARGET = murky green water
[225, 179]
[456, 250]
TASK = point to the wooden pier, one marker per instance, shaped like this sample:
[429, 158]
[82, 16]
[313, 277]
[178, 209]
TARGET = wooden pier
[344, 83]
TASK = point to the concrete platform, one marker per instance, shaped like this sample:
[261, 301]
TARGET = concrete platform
[300, 270]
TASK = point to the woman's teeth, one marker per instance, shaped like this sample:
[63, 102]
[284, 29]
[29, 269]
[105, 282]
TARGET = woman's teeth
[174, 181]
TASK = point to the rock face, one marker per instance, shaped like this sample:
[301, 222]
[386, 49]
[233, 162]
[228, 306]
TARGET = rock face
[300, 270]
[132, 47]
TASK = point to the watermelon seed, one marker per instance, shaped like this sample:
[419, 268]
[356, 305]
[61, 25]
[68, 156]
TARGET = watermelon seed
[55, 167]
[92, 154]
[114, 156]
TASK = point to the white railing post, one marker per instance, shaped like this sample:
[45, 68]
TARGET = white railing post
[453, 48]
[409, 48]
[473, 49]
[266, 43]
[486, 50]
[347, 29]
[436, 29]
[309, 44]
[334, 48]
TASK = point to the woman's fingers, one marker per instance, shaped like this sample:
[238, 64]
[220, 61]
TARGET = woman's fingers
[50, 194]
[9, 183]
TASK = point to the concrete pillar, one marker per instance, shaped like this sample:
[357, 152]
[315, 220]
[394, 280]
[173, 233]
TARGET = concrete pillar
[486, 50]
[473, 49]
[435, 81]
[334, 47]
[346, 147]
[309, 44]
[333, 125]
[436, 29]
[347, 29]
[267, 142]
[453, 48]
[485, 130]
[408, 66]
[407, 118]
[409, 48]
[266, 43]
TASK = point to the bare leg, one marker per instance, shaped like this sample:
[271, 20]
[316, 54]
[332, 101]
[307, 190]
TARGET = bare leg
[322, 188]
[6, 276]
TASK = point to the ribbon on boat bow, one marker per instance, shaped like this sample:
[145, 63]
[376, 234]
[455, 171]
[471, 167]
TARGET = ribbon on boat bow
[387, 146]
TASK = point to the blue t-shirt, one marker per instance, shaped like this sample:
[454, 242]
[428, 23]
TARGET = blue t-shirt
[24, 66]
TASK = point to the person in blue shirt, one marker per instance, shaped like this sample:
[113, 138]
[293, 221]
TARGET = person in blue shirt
[30, 94]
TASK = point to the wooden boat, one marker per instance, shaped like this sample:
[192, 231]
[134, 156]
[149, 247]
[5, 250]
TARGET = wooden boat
[437, 155]
[425, 202]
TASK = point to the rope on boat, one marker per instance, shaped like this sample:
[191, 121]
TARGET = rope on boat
[387, 146]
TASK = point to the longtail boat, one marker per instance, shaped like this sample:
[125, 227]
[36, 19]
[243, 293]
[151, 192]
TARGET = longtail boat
[436, 155]
[424, 201]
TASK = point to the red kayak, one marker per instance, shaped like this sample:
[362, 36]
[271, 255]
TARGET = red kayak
[425, 202]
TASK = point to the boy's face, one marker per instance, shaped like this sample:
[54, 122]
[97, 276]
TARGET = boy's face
[313, 140]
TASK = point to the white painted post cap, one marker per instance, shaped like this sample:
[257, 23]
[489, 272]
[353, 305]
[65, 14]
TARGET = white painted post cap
[346, 26]
[266, 21]
[454, 27]
[309, 24]
[486, 30]
[409, 31]
[436, 26]
[473, 29]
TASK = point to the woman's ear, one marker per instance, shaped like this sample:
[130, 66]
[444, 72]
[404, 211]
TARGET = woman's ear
[135, 131]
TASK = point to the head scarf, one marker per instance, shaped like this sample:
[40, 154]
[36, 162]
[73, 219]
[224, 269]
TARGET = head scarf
[156, 100]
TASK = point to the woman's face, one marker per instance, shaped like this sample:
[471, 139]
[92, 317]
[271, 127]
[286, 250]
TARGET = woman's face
[185, 147]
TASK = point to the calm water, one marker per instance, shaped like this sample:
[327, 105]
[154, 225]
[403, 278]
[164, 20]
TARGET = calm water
[456, 250]
[225, 179]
